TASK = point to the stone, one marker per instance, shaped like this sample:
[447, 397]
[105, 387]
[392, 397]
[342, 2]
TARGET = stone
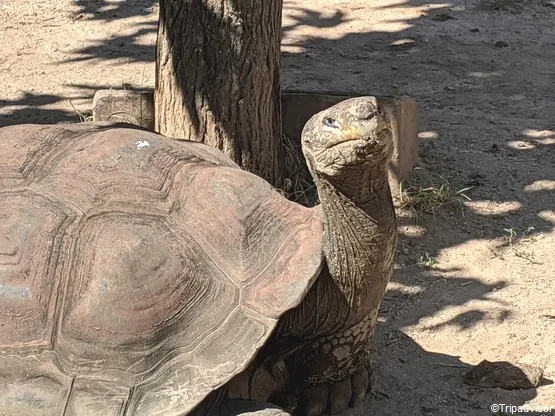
[503, 374]
[134, 107]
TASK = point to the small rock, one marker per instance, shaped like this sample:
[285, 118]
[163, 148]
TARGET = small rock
[475, 30]
[501, 44]
[443, 17]
[394, 67]
[504, 375]
[428, 408]
[404, 43]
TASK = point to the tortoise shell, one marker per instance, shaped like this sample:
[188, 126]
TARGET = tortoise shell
[137, 273]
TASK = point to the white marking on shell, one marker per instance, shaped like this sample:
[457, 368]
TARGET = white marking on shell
[142, 143]
[14, 291]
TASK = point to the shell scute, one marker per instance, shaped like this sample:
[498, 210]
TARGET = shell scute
[33, 239]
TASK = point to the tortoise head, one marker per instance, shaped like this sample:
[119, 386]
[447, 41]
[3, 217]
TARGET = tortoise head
[353, 133]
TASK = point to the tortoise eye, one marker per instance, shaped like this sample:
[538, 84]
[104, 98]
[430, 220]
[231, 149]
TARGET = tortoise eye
[330, 122]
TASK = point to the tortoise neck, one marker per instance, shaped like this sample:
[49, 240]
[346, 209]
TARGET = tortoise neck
[359, 234]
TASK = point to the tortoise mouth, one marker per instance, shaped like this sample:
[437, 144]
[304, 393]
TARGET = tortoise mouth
[377, 133]
[344, 140]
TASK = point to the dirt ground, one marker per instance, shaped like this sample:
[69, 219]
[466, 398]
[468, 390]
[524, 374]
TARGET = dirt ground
[469, 285]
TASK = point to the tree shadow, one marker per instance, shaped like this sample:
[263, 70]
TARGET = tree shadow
[123, 46]
[476, 142]
[402, 383]
[30, 108]
[118, 46]
[109, 10]
[314, 19]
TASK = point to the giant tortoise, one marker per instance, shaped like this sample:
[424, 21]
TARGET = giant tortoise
[141, 275]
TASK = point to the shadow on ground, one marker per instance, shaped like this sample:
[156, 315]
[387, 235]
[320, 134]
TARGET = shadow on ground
[469, 104]
[398, 382]
[30, 109]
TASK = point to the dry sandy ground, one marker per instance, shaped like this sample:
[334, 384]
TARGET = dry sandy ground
[484, 79]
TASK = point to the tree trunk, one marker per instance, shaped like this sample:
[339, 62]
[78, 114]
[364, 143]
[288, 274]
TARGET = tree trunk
[217, 78]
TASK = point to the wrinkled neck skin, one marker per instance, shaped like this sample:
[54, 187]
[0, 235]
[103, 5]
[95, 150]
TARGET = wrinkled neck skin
[359, 234]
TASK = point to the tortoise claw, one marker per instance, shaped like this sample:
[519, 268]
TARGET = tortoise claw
[314, 400]
[340, 396]
[360, 385]
[369, 371]
[333, 398]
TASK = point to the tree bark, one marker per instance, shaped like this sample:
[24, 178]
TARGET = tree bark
[218, 78]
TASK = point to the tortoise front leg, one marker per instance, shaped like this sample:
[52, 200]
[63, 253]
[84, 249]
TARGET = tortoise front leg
[336, 369]
[331, 365]
[334, 397]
